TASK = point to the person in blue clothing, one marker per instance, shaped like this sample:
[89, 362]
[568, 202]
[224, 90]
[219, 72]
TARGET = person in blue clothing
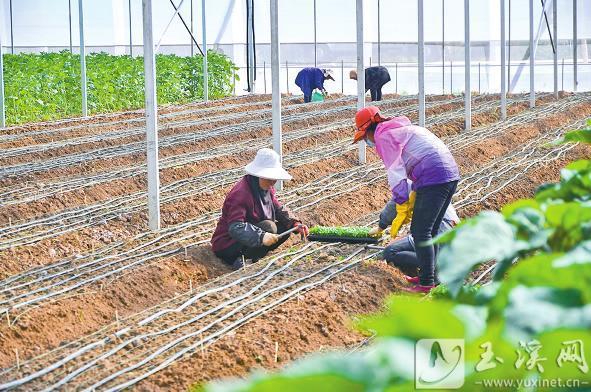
[312, 78]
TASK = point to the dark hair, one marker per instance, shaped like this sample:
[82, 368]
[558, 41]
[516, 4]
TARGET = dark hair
[372, 128]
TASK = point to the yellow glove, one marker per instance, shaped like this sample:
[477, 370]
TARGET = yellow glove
[403, 214]
[376, 232]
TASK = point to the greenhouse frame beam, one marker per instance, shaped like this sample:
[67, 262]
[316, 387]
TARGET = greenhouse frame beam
[70, 22]
[2, 110]
[151, 118]
[315, 37]
[130, 34]
[555, 55]
[11, 29]
[82, 59]
[532, 57]
[503, 65]
[379, 35]
[467, 69]
[575, 39]
[275, 88]
[421, 59]
[205, 70]
[360, 72]
[177, 13]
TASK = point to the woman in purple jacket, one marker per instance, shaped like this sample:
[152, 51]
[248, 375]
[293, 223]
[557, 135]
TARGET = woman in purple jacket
[252, 217]
[413, 153]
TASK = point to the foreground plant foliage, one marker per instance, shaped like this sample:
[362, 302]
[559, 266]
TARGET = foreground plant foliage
[47, 86]
[531, 323]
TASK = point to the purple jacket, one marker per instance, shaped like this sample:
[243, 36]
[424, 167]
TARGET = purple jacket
[413, 153]
[241, 205]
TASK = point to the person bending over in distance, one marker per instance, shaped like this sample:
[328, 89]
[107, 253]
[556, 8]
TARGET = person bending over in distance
[312, 78]
[375, 78]
[413, 153]
[252, 217]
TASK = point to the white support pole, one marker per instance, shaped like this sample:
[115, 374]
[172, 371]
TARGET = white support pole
[503, 65]
[2, 110]
[130, 33]
[205, 70]
[315, 38]
[151, 118]
[467, 69]
[70, 22]
[421, 57]
[275, 88]
[575, 39]
[532, 56]
[360, 71]
[555, 34]
[82, 60]
[379, 35]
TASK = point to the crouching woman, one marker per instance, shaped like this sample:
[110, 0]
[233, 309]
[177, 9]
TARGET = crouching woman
[252, 217]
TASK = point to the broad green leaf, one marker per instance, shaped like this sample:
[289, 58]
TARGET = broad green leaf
[483, 238]
[533, 310]
[580, 135]
[411, 318]
[570, 222]
[387, 363]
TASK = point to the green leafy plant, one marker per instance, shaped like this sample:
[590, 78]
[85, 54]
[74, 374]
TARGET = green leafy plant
[530, 325]
[344, 231]
[47, 86]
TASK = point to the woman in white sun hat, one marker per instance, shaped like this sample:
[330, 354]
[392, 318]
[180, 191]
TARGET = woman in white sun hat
[252, 216]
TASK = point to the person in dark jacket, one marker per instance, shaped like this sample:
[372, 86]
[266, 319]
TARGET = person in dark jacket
[375, 78]
[312, 78]
[252, 217]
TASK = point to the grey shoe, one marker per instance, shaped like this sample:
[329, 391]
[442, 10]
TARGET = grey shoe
[238, 263]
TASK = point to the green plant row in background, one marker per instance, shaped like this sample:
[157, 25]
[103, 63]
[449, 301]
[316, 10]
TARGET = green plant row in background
[47, 86]
[528, 329]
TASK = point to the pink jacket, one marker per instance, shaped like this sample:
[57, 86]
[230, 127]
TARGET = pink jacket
[413, 153]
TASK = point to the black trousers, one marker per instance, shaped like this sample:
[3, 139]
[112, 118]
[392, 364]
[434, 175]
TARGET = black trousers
[376, 93]
[430, 206]
[401, 253]
[231, 253]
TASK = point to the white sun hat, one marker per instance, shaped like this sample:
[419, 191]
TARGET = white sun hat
[266, 165]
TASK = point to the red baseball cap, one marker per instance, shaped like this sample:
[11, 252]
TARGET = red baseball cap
[364, 118]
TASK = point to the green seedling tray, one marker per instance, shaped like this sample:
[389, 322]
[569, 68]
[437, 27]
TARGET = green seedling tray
[348, 240]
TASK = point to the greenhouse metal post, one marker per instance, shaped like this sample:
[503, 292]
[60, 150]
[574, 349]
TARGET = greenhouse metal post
[360, 72]
[11, 29]
[467, 68]
[205, 70]
[442, 46]
[503, 65]
[421, 56]
[82, 60]
[575, 39]
[275, 88]
[315, 38]
[2, 110]
[555, 31]
[532, 93]
[70, 22]
[151, 118]
[130, 35]
[379, 35]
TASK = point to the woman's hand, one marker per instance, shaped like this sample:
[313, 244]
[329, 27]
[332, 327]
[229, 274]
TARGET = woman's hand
[270, 239]
[302, 229]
